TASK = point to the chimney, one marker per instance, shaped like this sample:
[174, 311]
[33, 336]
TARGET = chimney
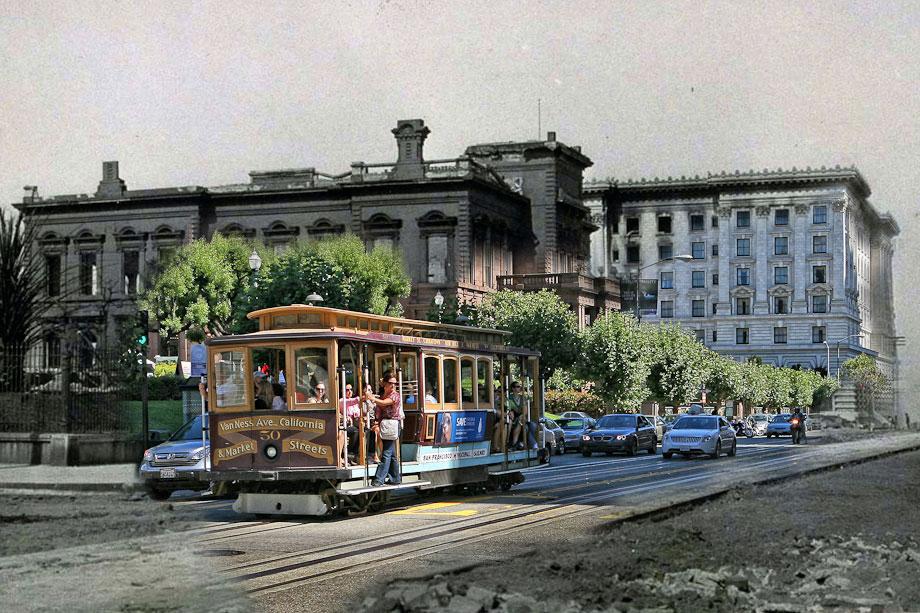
[111, 185]
[410, 139]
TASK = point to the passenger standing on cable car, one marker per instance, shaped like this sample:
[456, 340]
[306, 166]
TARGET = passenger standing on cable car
[388, 408]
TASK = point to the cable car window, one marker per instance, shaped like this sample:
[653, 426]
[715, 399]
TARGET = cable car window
[484, 383]
[268, 379]
[311, 384]
[466, 381]
[409, 364]
[432, 382]
[451, 391]
[230, 378]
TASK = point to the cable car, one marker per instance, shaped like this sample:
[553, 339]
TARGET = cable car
[291, 425]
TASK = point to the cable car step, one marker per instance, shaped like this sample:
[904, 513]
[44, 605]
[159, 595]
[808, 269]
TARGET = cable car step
[382, 488]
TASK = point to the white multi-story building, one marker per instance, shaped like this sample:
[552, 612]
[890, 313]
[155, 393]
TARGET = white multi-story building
[789, 266]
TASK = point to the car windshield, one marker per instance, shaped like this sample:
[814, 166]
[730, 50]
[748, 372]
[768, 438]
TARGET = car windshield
[551, 424]
[572, 424]
[760, 418]
[617, 421]
[781, 418]
[695, 423]
[190, 431]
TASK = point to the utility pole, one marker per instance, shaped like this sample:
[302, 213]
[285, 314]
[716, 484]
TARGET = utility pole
[143, 322]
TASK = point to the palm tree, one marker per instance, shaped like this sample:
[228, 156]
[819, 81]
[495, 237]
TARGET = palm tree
[22, 278]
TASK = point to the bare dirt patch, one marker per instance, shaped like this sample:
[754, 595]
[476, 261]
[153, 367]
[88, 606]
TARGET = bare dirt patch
[844, 539]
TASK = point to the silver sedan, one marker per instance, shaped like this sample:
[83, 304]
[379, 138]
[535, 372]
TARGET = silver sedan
[700, 434]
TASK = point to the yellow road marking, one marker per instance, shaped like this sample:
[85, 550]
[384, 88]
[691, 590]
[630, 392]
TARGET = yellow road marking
[433, 509]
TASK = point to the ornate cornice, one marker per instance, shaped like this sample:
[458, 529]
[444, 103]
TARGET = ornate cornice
[762, 211]
[802, 209]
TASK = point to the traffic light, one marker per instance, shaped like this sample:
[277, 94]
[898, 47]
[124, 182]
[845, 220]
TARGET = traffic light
[143, 322]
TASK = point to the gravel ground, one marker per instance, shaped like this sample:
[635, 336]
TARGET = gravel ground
[844, 539]
[40, 521]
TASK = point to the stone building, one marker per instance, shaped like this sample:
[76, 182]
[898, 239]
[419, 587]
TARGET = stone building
[789, 266]
[501, 215]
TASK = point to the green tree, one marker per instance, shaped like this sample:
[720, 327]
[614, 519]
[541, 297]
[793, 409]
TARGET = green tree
[724, 380]
[680, 368]
[779, 388]
[339, 269]
[538, 320]
[202, 286]
[22, 278]
[616, 354]
[869, 379]
[754, 380]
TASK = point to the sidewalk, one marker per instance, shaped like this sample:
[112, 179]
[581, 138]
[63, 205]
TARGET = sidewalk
[102, 478]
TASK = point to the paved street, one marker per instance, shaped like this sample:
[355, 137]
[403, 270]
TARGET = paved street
[309, 564]
[209, 554]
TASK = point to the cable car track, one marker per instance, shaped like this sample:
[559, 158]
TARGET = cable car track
[403, 546]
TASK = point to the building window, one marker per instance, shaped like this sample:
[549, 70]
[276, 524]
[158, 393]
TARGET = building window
[700, 335]
[819, 244]
[53, 275]
[616, 255]
[743, 219]
[697, 223]
[819, 274]
[742, 336]
[131, 269]
[743, 247]
[632, 224]
[817, 334]
[698, 278]
[742, 306]
[438, 258]
[664, 224]
[781, 217]
[698, 308]
[89, 274]
[714, 309]
[781, 245]
[667, 309]
[616, 224]
[665, 252]
[488, 277]
[819, 304]
[715, 221]
[781, 275]
[715, 250]
[51, 344]
[780, 305]
[715, 278]
[715, 336]
[819, 214]
[698, 250]
[667, 280]
[779, 336]
[632, 254]
[743, 276]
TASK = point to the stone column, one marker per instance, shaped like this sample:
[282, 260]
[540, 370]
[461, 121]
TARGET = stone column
[761, 270]
[837, 240]
[725, 273]
[680, 244]
[801, 273]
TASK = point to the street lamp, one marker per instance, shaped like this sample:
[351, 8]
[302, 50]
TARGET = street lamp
[313, 298]
[680, 258]
[837, 342]
[255, 262]
[439, 302]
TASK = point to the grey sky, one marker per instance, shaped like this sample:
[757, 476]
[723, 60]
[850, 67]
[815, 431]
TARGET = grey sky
[201, 93]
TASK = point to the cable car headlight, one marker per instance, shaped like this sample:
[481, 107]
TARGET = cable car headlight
[271, 452]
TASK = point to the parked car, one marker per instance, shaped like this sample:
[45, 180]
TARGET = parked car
[620, 432]
[668, 420]
[573, 428]
[555, 435]
[779, 425]
[176, 464]
[759, 423]
[695, 434]
[575, 415]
